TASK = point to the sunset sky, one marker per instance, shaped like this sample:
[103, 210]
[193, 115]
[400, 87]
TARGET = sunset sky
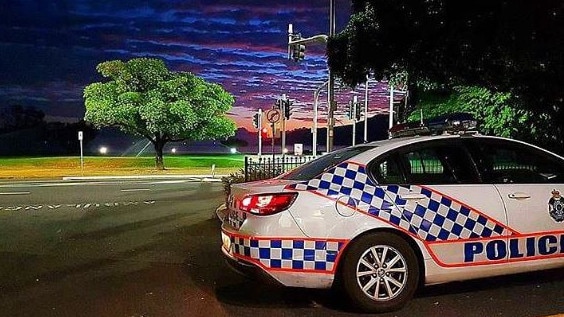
[49, 50]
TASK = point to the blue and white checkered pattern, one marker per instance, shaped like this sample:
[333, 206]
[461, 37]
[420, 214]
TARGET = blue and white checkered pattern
[291, 254]
[437, 218]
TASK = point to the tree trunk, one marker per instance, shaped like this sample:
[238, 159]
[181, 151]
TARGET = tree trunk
[159, 145]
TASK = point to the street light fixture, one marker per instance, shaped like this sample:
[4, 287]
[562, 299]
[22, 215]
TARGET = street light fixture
[292, 41]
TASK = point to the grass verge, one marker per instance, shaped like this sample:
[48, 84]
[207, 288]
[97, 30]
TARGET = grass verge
[57, 167]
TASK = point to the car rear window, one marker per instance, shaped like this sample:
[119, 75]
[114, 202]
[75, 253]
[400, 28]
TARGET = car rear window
[313, 168]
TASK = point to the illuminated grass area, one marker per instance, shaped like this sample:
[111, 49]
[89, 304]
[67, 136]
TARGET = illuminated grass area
[55, 167]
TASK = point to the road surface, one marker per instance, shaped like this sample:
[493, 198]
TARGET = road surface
[151, 248]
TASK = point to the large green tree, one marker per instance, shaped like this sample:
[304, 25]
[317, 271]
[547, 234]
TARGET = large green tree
[143, 97]
[498, 113]
[511, 46]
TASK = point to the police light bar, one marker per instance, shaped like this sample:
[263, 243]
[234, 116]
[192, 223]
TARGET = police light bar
[456, 123]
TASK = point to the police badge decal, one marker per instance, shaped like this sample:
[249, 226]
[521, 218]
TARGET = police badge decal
[556, 206]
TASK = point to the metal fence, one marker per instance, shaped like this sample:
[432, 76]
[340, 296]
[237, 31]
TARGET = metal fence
[269, 167]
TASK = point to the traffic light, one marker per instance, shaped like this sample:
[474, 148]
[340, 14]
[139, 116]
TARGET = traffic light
[257, 120]
[264, 133]
[297, 49]
[358, 112]
[298, 52]
[287, 108]
[351, 110]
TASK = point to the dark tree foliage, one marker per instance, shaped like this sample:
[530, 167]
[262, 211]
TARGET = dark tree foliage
[65, 135]
[234, 142]
[18, 117]
[514, 46]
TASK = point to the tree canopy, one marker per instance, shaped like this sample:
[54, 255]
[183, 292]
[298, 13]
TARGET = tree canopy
[143, 97]
[512, 46]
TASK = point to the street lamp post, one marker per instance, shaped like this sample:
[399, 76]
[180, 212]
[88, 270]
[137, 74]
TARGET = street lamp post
[315, 106]
[353, 117]
[391, 110]
[366, 110]
[392, 113]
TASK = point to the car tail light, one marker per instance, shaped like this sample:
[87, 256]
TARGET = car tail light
[267, 204]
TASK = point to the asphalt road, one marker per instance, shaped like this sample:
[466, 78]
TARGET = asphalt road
[151, 248]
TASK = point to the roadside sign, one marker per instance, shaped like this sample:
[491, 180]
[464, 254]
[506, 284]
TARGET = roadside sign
[298, 149]
[273, 115]
[80, 137]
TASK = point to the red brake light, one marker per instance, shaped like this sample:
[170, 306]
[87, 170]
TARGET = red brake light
[267, 204]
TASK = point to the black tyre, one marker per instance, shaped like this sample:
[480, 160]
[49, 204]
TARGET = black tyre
[380, 272]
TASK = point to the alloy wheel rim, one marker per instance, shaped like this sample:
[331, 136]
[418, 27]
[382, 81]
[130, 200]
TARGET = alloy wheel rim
[381, 273]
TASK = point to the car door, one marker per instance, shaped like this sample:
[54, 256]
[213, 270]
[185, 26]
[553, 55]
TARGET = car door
[529, 181]
[443, 202]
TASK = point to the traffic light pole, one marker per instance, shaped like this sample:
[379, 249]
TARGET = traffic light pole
[284, 104]
[294, 40]
[272, 143]
[260, 133]
[331, 85]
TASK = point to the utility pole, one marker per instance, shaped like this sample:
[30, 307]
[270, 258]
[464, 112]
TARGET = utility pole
[331, 86]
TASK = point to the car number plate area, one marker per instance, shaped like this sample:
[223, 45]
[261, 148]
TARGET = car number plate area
[236, 218]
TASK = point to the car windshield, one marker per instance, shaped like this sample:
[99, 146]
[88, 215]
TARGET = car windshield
[313, 168]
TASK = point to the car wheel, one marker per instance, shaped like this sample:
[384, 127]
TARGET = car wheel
[380, 272]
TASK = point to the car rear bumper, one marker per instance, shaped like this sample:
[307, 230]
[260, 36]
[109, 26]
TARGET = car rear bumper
[248, 270]
[307, 267]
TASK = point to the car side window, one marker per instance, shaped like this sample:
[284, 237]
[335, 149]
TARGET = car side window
[426, 167]
[323, 163]
[388, 171]
[460, 163]
[508, 162]
[428, 163]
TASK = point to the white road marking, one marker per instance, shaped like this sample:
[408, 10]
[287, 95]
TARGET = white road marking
[170, 182]
[135, 189]
[80, 206]
[15, 193]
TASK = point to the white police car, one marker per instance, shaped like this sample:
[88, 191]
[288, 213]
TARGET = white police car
[382, 218]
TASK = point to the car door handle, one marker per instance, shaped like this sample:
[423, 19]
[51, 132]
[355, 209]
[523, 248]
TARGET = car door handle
[412, 196]
[519, 195]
